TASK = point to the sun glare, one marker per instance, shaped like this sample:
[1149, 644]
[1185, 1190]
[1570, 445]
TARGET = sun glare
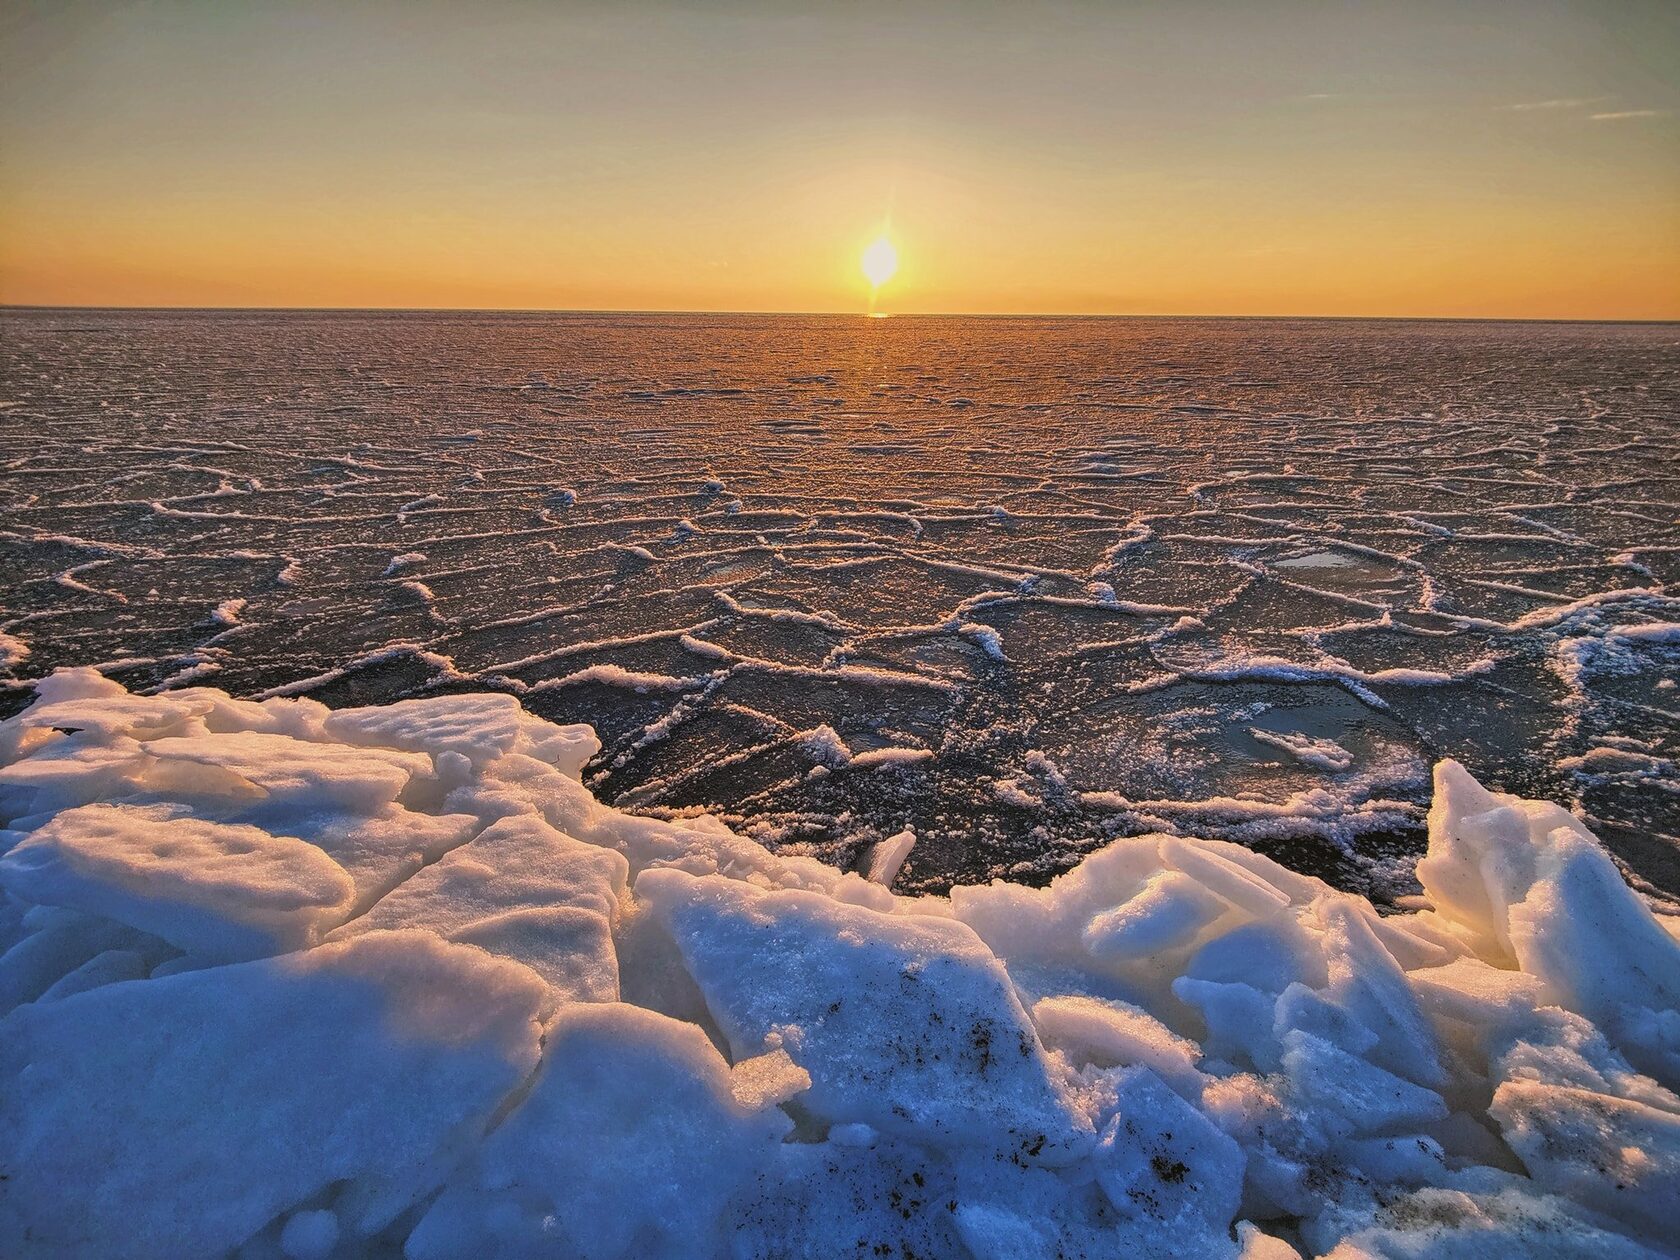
[880, 261]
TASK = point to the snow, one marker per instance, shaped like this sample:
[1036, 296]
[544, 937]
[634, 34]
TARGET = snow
[227, 612]
[390, 981]
[309, 1235]
[12, 650]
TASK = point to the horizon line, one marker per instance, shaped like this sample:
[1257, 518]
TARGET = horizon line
[840, 314]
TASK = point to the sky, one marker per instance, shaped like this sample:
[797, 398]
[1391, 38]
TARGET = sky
[1312, 158]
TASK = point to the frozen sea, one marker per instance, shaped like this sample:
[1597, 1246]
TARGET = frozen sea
[1020, 586]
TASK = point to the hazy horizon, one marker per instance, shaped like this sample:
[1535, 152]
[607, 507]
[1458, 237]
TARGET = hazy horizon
[829, 314]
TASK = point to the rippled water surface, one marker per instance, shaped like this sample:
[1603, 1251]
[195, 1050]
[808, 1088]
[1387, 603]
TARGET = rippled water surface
[1018, 585]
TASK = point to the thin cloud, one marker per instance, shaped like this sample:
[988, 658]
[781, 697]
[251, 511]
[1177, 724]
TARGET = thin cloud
[1562, 102]
[1630, 113]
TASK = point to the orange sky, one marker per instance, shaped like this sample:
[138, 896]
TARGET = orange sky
[1425, 159]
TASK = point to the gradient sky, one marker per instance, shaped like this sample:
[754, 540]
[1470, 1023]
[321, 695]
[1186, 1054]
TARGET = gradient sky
[1502, 159]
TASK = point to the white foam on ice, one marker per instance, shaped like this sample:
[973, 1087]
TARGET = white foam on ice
[1326, 754]
[12, 650]
[227, 612]
[287, 981]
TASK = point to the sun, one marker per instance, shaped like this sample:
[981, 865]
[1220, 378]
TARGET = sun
[880, 261]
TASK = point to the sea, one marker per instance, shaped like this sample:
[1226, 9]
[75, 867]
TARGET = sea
[1018, 586]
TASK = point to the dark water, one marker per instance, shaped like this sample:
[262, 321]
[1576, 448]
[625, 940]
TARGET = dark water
[1020, 585]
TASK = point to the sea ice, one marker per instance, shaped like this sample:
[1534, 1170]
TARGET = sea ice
[1232, 581]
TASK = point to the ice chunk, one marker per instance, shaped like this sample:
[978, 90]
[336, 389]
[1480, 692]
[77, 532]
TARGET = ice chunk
[294, 773]
[309, 1235]
[1475, 992]
[76, 683]
[1108, 1033]
[1009, 1213]
[1615, 1155]
[569, 947]
[108, 968]
[1256, 1245]
[216, 891]
[1597, 945]
[1218, 874]
[1239, 1035]
[1529, 887]
[1324, 754]
[523, 890]
[70, 770]
[179, 1116]
[888, 856]
[1479, 859]
[1169, 911]
[767, 1080]
[1368, 984]
[479, 726]
[907, 1024]
[850, 1134]
[1409, 1160]
[1269, 956]
[1240, 1020]
[378, 851]
[107, 715]
[1161, 1159]
[1045, 925]
[1299, 1007]
[631, 1142]
[1371, 1100]
[56, 943]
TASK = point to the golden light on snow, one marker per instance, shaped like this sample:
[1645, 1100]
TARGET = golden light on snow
[880, 261]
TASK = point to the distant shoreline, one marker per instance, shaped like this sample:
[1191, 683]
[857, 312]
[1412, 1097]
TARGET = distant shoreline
[28, 309]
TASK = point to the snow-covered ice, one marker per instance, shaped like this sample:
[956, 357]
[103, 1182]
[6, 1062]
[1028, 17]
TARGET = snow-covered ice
[241, 1018]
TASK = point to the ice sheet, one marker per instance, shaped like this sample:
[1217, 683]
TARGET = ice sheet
[1048, 582]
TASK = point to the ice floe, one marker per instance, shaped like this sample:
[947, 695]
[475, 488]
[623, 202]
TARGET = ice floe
[285, 981]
